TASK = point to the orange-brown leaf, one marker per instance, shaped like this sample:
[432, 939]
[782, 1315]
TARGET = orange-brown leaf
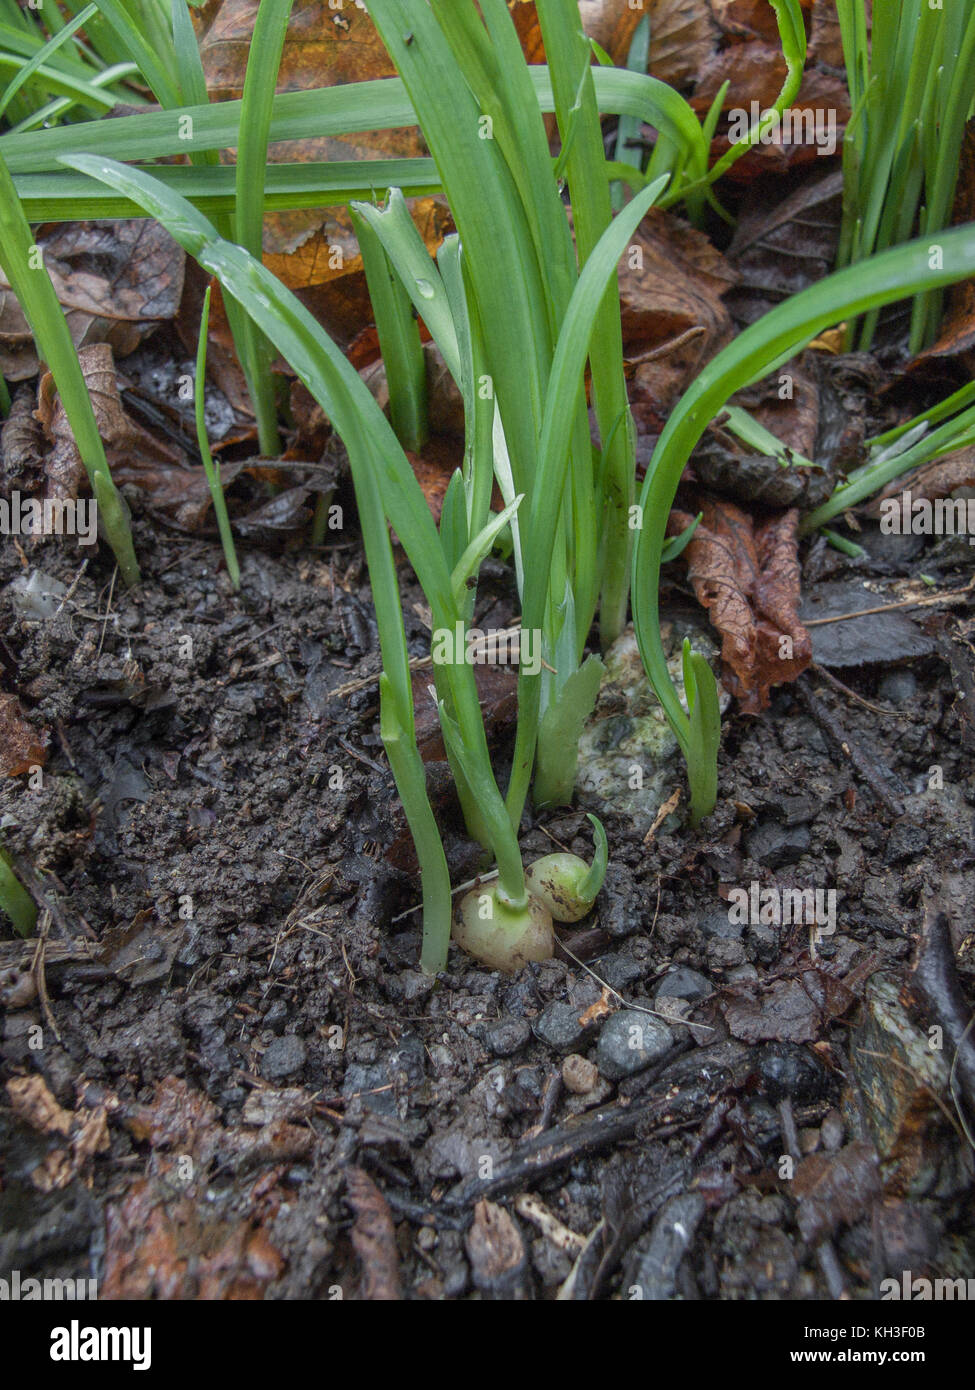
[747, 577]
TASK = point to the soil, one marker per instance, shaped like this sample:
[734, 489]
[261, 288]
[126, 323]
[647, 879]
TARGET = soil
[260, 1094]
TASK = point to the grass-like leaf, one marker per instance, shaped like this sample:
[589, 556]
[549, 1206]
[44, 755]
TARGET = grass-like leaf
[203, 443]
[24, 268]
[883, 279]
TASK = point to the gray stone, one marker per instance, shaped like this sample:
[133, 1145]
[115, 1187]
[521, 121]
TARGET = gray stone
[284, 1057]
[680, 982]
[276, 1016]
[904, 1082]
[558, 1025]
[716, 924]
[631, 1042]
[619, 971]
[506, 1036]
[370, 1085]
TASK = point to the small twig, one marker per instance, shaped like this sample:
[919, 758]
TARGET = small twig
[852, 694]
[637, 1008]
[40, 974]
[249, 641]
[72, 587]
[950, 597]
[108, 610]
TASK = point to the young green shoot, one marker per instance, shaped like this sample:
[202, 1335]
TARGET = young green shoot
[15, 901]
[203, 443]
[566, 884]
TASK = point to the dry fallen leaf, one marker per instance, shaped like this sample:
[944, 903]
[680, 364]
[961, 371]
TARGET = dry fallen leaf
[324, 47]
[21, 747]
[793, 1008]
[835, 1190]
[374, 1238]
[21, 448]
[683, 36]
[756, 72]
[825, 37]
[671, 285]
[750, 18]
[31, 1100]
[748, 579]
[783, 245]
[495, 1249]
[169, 1246]
[117, 281]
[86, 1129]
[610, 22]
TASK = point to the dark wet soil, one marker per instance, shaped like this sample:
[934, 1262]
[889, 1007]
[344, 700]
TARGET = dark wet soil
[225, 1000]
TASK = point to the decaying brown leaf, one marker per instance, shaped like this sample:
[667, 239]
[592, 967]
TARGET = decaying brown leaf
[792, 1008]
[747, 577]
[835, 1190]
[279, 517]
[783, 245]
[374, 1238]
[750, 18]
[324, 47]
[86, 1129]
[117, 281]
[31, 1100]
[610, 22]
[671, 285]
[497, 693]
[496, 1251]
[182, 1121]
[21, 450]
[722, 464]
[825, 37]
[21, 747]
[756, 72]
[683, 36]
[168, 1246]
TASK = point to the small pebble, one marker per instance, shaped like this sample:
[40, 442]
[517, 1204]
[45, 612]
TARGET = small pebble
[506, 1036]
[284, 1057]
[775, 845]
[680, 982]
[630, 1042]
[558, 1025]
[579, 1074]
